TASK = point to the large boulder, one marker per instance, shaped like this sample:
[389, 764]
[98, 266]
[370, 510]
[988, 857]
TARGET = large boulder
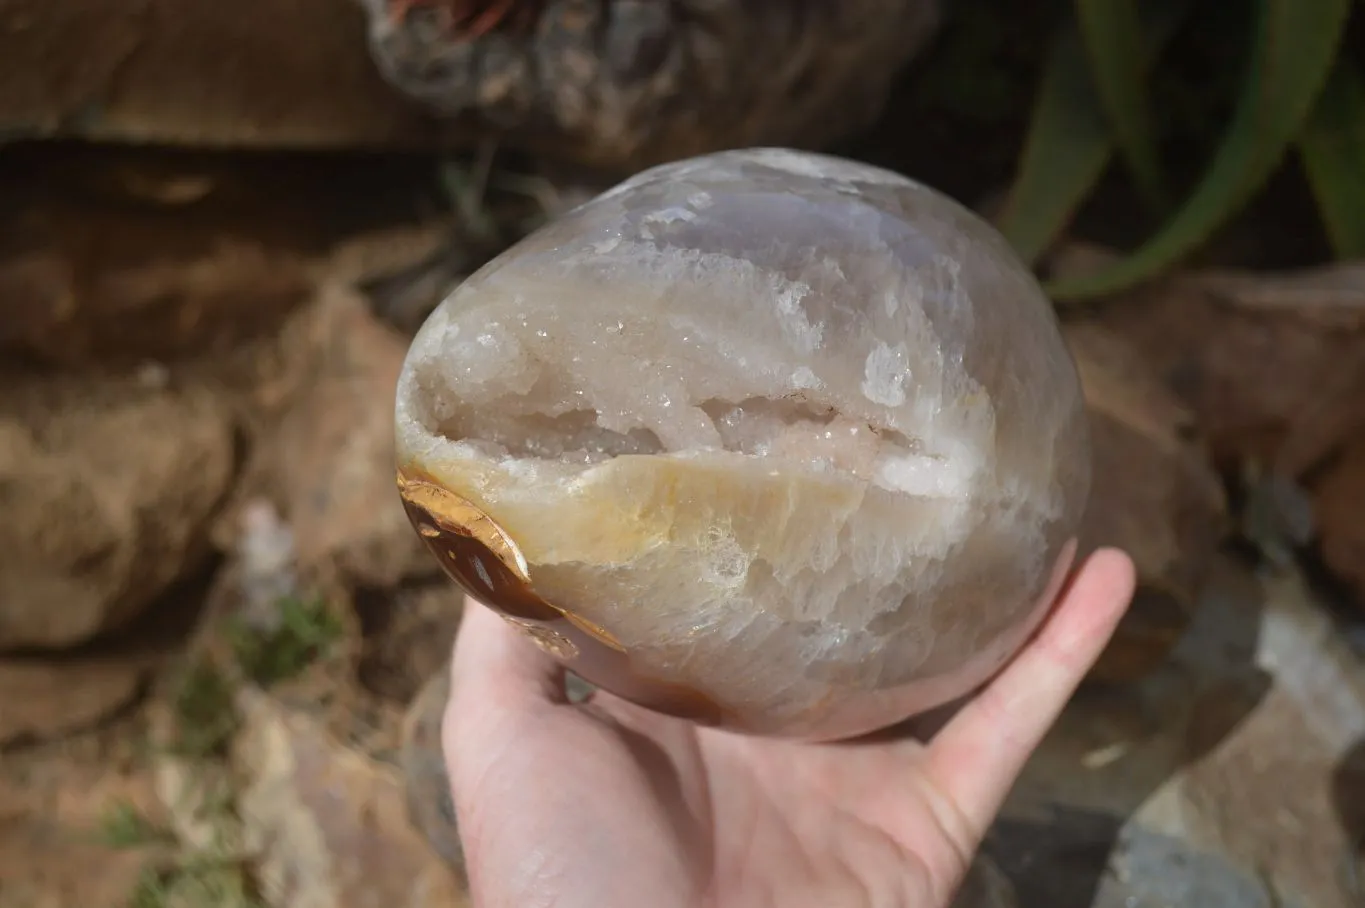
[108, 486]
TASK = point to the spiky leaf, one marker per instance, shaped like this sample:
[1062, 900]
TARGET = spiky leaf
[1069, 143]
[1067, 150]
[1295, 46]
[1333, 151]
[1113, 35]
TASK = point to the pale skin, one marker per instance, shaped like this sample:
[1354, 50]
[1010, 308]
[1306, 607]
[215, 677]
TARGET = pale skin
[604, 804]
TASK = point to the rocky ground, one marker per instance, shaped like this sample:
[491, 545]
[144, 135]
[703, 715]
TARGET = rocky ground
[221, 644]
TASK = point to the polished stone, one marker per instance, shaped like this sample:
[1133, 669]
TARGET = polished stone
[770, 439]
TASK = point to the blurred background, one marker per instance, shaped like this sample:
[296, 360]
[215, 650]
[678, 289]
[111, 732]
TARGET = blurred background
[222, 645]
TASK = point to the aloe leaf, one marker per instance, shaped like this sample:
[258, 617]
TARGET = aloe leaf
[1112, 33]
[1064, 156]
[1295, 46]
[1332, 148]
[1069, 142]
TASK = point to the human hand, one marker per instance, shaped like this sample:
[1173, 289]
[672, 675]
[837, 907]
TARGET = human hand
[606, 804]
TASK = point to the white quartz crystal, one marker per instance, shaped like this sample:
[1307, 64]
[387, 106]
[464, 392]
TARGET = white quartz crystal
[800, 434]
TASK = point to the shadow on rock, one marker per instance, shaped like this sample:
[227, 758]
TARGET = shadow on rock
[1068, 838]
[1348, 797]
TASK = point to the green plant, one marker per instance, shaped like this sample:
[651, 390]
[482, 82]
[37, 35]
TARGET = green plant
[306, 628]
[122, 825]
[206, 716]
[211, 877]
[198, 882]
[1094, 106]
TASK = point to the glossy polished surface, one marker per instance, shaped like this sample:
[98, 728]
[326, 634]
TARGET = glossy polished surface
[767, 439]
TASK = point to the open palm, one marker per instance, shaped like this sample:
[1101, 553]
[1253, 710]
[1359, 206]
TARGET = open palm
[606, 804]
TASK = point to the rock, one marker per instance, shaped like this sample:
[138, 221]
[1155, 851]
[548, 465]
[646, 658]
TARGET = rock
[1271, 365]
[123, 256]
[617, 86]
[55, 800]
[812, 407]
[1273, 368]
[985, 886]
[89, 271]
[424, 771]
[1337, 502]
[159, 72]
[329, 824]
[264, 573]
[36, 861]
[1153, 494]
[332, 457]
[623, 85]
[45, 699]
[409, 633]
[1145, 870]
[108, 486]
[1212, 780]
[1279, 755]
[1275, 515]
[1348, 795]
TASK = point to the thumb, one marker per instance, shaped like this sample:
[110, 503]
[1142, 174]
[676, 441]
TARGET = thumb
[494, 660]
[501, 684]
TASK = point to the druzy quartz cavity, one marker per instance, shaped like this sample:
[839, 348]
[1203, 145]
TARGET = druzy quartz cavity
[768, 439]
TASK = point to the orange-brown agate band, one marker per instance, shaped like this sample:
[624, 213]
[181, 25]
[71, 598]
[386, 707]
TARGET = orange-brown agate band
[486, 563]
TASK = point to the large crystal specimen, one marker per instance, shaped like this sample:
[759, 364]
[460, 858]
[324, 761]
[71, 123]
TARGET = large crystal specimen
[772, 440]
